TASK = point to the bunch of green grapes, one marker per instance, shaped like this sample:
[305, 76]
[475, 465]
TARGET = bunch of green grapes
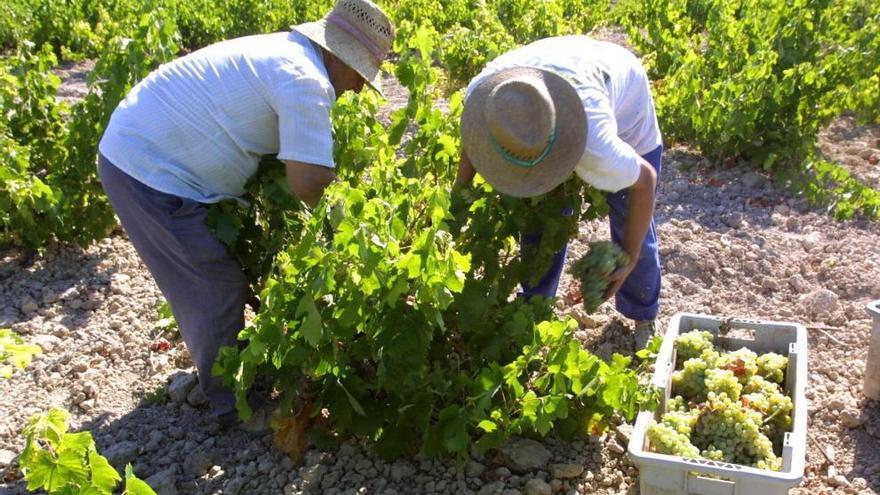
[666, 440]
[682, 422]
[772, 366]
[593, 269]
[728, 428]
[743, 363]
[692, 344]
[677, 404]
[690, 380]
[723, 381]
[759, 385]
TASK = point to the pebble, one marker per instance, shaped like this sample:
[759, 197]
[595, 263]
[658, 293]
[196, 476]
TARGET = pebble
[6, 457]
[523, 455]
[474, 469]
[615, 447]
[852, 418]
[121, 453]
[181, 385]
[164, 482]
[494, 488]
[536, 486]
[197, 463]
[819, 302]
[567, 470]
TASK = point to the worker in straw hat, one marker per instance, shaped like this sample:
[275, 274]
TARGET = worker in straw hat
[193, 132]
[565, 105]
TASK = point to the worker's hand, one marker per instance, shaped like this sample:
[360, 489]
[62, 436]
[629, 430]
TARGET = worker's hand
[617, 277]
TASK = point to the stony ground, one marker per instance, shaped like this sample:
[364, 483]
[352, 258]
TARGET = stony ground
[732, 244]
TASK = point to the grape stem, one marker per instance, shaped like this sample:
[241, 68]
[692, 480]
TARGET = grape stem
[820, 449]
[822, 330]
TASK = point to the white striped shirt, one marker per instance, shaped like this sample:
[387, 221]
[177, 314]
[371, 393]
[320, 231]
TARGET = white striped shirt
[197, 126]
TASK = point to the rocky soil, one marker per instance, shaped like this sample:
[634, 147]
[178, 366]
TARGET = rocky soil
[732, 244]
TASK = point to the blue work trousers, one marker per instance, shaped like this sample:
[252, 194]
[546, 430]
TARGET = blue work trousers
[639, 296]
[204, 285]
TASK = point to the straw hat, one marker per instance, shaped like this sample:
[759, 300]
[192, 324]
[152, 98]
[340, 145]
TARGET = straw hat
[524, 130]
[358, 33]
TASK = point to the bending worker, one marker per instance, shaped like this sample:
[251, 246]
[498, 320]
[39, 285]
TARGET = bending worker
[192, 133]
[571, 104]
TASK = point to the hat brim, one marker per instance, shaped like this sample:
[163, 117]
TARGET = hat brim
[345, 47]
[560, 161]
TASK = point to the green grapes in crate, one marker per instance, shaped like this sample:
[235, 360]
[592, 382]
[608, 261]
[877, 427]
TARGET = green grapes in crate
[733, 430]
[722, 381]
[667, 440]
[692, 344]
[593, 269]
[772, 366]
[729, 405]
[743, 363]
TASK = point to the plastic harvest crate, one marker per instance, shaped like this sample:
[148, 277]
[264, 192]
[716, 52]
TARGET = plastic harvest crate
[872, 366]
[661, 474]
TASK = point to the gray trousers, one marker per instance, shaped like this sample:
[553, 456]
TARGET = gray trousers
[202, 282]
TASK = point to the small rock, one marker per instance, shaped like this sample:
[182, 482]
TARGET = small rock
[615, 447]
[524, 455]
[234, 486]
[838, 481]
[753, 180]
[852, 418]
[46, 342]
[835, 404]
[819, 302]
[196, 397]
[28, 306]
[197, 463]
[122, 453]
[494, 488]
[181, 386]
[732, 219]
[502, 473]
[798, 284]
[566, 470]
[164, 482]
[537, 486]
[401, 470]
[6, 457]
[474, 469]
[312, 475]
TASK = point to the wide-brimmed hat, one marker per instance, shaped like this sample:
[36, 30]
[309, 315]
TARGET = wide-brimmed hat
[358, 33]
[524, 130]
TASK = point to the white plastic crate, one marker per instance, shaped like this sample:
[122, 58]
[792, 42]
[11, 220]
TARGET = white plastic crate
[872, 366]
[661, 474]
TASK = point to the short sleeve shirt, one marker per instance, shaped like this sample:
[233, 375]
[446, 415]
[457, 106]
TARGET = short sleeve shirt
[621, 120]
[198, 126]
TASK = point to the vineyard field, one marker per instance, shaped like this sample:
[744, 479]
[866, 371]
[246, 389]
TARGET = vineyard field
[384, 321]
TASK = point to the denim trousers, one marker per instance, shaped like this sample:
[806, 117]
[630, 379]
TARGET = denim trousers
[639, 296]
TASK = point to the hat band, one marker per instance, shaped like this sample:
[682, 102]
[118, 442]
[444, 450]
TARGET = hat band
[520, 162]
[370, 45]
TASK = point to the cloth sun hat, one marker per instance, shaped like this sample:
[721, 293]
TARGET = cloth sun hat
[524, 130]
[357, 32]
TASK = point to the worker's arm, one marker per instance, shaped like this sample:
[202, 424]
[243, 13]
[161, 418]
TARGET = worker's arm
[307, 180]
[638, 219]
[466, 173]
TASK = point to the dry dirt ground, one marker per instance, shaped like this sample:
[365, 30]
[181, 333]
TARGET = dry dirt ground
[732, 244]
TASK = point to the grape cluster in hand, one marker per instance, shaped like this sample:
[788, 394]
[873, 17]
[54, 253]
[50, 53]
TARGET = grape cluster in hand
[593, 269]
